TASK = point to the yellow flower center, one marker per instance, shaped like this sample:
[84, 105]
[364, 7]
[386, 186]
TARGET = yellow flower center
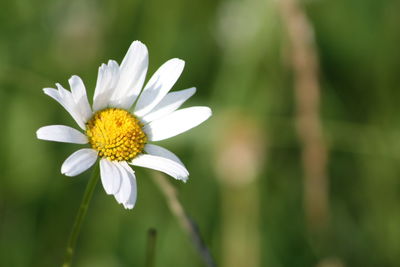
[116, 134]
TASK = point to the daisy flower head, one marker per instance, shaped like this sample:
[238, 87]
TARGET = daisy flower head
[123, 121]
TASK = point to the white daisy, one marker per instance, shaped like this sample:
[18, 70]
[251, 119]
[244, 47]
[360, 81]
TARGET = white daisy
[123, 120]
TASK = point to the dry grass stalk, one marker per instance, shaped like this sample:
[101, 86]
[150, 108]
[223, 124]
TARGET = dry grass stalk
[304, 61]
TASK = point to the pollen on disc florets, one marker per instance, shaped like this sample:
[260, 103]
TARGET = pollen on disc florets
[116, 134]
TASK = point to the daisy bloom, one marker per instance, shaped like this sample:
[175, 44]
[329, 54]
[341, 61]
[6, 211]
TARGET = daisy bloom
[123, 120]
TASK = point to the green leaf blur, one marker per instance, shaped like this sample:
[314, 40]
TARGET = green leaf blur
[246, 176]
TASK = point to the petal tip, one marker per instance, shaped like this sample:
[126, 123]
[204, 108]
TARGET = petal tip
[138, 44]
[47, 90]
[64, 172]
[129, 206]
[38, 133]
[74, 79]
[179, 61]
[207, 112]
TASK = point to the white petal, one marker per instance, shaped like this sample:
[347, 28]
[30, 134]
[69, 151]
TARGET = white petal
[132, 74]
[110, 176]
[71, 105]
[61, 133]
[167, 166]
[107, 80]
[127, 192]
[79, 162]
[124, 191]
[161, 152]
[171, 102]
[80, 97]
[159, 85]
[64, 97]
[177, 122]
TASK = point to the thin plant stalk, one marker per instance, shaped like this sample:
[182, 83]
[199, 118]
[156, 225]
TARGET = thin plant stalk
[151, 247]
[81, 216]
[304, 59]
[184, 220]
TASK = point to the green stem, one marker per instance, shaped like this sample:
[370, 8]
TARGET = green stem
[151, 247]
[81, 216]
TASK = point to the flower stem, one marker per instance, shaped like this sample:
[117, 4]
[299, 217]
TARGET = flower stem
[151, 247]
[184, 220]
[73, 237]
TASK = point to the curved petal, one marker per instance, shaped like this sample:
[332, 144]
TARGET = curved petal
[128, 191]
[159, 85]
[79, 95]
[177, 122]
[125, 189]
[110, 176]
[161, 152]
[132, 74]
[61, 133]
[64, 97]
[79, 162]
[171, 102]
[107, 80]
[167, 166]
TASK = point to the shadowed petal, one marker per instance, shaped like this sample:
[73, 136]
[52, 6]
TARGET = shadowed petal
[107, 80]
[79, 162]
[110, 176]
[159, 85]
[127, 192]
[64, 97]
[171, 102]
[161, 152]
[132, 74]
[78, 91]
[165, 165]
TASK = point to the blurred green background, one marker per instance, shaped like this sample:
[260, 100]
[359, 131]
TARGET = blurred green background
[246, 185]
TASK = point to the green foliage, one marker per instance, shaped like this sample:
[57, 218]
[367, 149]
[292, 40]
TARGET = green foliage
[236, 55]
